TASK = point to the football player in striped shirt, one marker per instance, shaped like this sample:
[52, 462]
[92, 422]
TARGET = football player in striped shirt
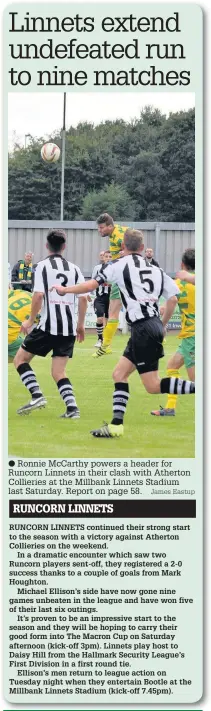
[115, 232]
[57, 329]
[140, 288]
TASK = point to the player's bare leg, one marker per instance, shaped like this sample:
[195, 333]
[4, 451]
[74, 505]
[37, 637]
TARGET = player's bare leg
[191, 373]
[22, 356]
[21, 362]
[123, 370]
[58, 372]
[151, 381]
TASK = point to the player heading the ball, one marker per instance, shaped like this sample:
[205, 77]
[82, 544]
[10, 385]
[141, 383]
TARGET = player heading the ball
[115, 232]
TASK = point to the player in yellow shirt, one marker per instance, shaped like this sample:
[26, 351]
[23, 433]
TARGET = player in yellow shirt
[185, 355]
[115, 232]
[19, 308]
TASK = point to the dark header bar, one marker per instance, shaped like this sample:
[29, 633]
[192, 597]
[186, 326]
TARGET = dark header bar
[145, 508]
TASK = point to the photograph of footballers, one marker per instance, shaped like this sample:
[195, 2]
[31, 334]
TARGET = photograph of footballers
[101, 276]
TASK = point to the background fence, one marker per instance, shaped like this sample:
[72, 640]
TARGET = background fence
[167, 239]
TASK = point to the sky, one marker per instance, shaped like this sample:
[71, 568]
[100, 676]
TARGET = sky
[26, 116]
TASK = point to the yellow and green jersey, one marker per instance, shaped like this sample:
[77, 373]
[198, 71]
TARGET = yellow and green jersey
[186, 303]
[19, 309]
[115, 241]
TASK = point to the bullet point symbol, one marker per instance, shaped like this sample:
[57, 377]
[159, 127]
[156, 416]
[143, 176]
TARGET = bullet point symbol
[11, 463]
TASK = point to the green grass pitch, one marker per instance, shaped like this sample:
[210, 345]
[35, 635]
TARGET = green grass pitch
[43, 434]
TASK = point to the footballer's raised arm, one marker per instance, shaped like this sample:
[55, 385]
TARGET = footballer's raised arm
[186, 276]
[102, 277]
[83, 288]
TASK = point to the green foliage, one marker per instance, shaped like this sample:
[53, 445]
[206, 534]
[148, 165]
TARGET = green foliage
[113, 199]
[140, 170]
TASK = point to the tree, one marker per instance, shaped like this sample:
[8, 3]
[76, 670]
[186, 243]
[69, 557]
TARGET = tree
[178, 162]
[138, 170]
[144, 177]
[113, 199]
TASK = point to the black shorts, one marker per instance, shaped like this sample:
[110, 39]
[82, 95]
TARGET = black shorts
[144, 347]
[101, 305]
[41, 343]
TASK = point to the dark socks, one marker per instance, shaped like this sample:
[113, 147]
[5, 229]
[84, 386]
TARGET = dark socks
[120, 400]
[176, 386]
[28, 378]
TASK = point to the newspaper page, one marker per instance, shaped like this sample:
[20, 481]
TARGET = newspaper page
[103, 498]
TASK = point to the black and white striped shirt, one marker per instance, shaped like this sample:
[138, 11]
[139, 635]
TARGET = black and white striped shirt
[101, 289]
[57, 312]
[140, 285]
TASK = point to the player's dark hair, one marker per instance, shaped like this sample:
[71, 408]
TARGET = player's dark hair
[133, 240]
[188, 259]
[105, 219]
[56, 239]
